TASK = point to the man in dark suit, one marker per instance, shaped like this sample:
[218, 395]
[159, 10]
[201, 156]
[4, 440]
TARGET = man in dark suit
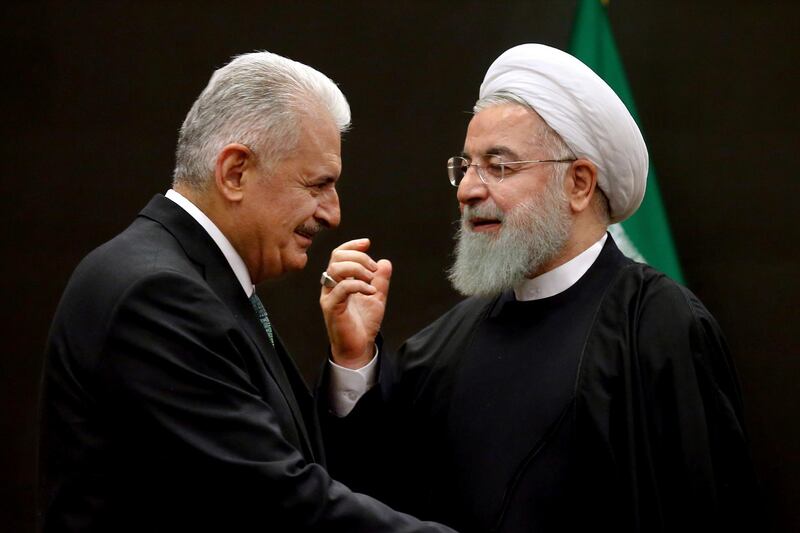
[169, 403]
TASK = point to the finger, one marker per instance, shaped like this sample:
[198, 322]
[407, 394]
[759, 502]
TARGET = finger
[350, 269]
[353, 256]
[343, 290]
[356, 244]
[382, 277]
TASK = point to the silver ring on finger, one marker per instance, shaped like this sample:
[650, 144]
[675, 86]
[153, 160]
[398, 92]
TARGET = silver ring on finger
[327, 281]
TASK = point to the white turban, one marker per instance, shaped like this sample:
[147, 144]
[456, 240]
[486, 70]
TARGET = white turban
[584, 111]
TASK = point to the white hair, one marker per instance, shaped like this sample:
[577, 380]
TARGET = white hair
[259, 100]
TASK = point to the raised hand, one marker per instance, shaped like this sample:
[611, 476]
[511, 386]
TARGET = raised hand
[354, 308]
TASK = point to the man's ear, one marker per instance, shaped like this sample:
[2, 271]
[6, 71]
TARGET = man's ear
[580, 184]
[229, 172]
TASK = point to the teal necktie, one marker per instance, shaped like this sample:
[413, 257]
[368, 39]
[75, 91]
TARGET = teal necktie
[261, 313]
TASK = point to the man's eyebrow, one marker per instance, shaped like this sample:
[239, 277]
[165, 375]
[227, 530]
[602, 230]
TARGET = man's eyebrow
[326, 180]
[500, 150]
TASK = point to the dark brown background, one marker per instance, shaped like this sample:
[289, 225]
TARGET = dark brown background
[93, 94]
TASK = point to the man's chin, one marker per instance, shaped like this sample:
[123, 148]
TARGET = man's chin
[485, 237]
[295, 262]
[298, 262]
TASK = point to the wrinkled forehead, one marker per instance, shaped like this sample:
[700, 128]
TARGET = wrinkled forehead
[509, 130]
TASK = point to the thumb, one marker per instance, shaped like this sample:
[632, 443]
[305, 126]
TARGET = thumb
[382, 276]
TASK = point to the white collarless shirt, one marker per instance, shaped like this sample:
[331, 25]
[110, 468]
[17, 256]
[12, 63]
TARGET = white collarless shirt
[560, 278]
[348, 386]
[234, 259]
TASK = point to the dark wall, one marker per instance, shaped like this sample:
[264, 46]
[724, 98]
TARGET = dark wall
[94, 92]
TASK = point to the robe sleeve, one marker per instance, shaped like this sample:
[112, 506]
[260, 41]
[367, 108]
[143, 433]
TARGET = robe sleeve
[664, 412]
[374, 449]
[700, 456]
[380, 448]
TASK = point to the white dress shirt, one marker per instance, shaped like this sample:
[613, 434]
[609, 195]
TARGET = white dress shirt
[347, 385]
[234, 259]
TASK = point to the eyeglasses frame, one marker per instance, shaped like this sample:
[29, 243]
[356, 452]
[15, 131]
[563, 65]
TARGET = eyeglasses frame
[451, 167]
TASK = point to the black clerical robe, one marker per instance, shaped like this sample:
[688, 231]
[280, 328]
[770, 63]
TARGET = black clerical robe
[612, 406]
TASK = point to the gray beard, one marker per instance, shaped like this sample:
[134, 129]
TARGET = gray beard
[532, 234]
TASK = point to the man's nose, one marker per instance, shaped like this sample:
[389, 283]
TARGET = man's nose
[472, 189]
[329, 213]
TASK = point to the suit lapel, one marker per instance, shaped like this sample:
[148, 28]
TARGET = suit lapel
[304, 400]
[199, 246]
[276, 364]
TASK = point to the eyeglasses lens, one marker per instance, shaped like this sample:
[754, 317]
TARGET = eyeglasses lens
[456, 169]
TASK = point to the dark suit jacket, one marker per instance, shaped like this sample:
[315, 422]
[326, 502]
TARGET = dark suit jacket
[166, 408]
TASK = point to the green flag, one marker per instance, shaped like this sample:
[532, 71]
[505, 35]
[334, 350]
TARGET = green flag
[645, 236]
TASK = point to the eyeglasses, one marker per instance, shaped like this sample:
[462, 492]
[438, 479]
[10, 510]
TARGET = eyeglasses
[494, 171]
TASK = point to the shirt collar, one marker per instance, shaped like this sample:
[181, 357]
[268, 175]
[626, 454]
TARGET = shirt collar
[234, 259]
[560, 278]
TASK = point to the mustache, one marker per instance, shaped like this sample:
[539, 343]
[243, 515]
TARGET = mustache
[309, 229]
[487, 210]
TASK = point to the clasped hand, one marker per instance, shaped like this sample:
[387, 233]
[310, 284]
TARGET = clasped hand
[354, 308]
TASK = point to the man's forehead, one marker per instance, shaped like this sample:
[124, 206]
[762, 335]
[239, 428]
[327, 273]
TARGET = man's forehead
[506, 130]
[320, 140]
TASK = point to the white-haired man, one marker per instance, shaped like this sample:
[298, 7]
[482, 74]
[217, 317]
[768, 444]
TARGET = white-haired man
[169, 403]
[575, 390]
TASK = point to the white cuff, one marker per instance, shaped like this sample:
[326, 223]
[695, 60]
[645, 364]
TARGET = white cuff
[348, 386]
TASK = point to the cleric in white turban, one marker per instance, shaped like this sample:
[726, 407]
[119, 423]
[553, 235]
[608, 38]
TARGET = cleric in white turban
[573, 389]
[584, 111]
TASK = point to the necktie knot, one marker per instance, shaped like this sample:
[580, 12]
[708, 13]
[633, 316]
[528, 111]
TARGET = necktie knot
[261, 314]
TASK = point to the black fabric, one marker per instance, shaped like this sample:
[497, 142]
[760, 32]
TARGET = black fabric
[612, 406]
[166, 408]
